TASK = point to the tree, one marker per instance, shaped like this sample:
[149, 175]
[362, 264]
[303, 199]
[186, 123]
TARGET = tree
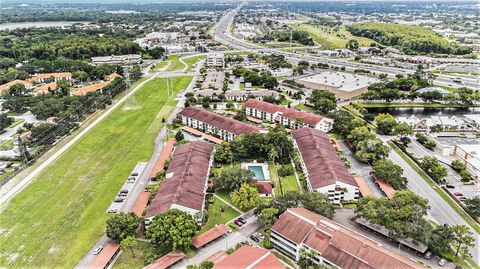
[391, 173]
[319, 203]
[458, 165]
[385, 123]
[402, 130]
[272, 154]
[462, 239]
[440, 238]
[129, 242]
[344, 122]
[323, 101]
[404, 214]
[173, 229]
[206, 264]
[371, 150]
[5, 121]
[121, 226]
[268, 216]
[246, 196]
[179, 136]
[352, 44]
[360, 134]
[233, 178]
[473, 205]
[223, 153]
[434, 168]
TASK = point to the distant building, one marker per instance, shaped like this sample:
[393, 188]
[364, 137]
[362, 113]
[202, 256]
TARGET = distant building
[117, 59]
[288, 117]
[334, 245]
[433, 89]
[5, 87]
[324, 170]
[82, 91]
[470, 155]
[343, 85]
[185, 183]
[242, 95]
[50, 77]
[212, 123]
[342, 53]
[215, 60]
[214, 80]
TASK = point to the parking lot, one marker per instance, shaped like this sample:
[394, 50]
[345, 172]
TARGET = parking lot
[125, 191]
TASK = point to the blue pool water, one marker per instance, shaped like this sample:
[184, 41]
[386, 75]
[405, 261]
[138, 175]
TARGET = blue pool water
[257, 172]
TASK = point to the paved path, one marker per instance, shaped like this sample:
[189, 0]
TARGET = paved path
[232, 206]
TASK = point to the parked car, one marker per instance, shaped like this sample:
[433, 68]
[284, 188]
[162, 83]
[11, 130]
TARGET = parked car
[261, 236]
[97, 250]
[458, 194]
[450, 186]
[242, 220]
[462, 198]
[112, 210]
[123, 191]
[442, 262]
[238, 223]
[428, 255]
[254, 238]
[134, 175]
[118, 200]
[131, 179]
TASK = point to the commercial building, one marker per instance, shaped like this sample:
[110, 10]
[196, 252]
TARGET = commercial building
[214, 80]
[215, 60]
[324, 170]
[211, 123]
[249, 257]
[288, 117]
[185, 182]
[117, 59]
[299, 229]
[470, 155]
[344, 85]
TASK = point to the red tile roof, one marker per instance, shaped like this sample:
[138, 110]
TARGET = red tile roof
[185, 184]
[217, 256]
[44, 89]
[385, 186]
[250, 257]
[49, 75]
[323, 165]
[7, 85]
[95, 87]
[103, 258]
[336, 243]
[227, 124]
[166, 260]
[362, 186]
[210, 235]
[290, 113]
[141, 204]
[160, 164]
[264, 187]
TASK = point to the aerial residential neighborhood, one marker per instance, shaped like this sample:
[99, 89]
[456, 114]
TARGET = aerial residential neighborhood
[239, 134]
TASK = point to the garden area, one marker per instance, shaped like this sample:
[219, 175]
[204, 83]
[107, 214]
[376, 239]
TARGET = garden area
[217, 213]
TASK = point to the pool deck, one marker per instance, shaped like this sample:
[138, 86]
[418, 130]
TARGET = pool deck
[264, 166]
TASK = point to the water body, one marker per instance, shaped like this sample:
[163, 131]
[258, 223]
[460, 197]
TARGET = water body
[424, 112]
[16, 25]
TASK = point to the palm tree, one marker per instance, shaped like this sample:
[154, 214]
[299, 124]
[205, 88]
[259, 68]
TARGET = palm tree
[272, 155]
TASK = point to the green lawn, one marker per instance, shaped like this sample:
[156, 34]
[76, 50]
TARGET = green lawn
[172, 62]
[128, 261]
[224, 195]
[6, 144]
[304, 107]
[16, 122]
[329, 39]
[289, 183]
[216, 216]
[192, 60]
[56, 219]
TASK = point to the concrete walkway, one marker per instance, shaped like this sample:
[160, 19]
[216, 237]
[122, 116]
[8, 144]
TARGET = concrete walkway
[232, 206]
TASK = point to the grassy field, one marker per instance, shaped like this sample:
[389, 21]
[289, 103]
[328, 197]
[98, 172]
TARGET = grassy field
[6, 144]
[55, 220]
[224, 195]
[289, 183]
[128, 261]
[171, 63]
[330, 39]
[216, 216]
[192, 60]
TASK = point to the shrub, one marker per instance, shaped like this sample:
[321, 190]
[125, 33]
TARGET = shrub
[285, 171]
[267, 244]
[458, 166]
[430, 144]
[466, 176]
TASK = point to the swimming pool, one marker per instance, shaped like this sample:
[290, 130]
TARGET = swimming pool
[257, 171]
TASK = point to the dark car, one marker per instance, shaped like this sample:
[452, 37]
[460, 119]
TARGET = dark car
[134, 174]
[124, 191]
[450, 186]
[254, 238]
[458, 194]
[242, 220]
[118, 200]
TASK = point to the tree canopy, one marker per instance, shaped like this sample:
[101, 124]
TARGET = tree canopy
[121, 226]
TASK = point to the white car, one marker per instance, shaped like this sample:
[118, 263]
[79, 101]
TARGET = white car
[442, 262]
[97, 250]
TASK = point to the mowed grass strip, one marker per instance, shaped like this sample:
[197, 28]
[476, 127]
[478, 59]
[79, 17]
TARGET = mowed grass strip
[330, 39]
[190, 61]
[55, 220]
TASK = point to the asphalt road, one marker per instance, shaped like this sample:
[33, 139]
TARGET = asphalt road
[221, 35]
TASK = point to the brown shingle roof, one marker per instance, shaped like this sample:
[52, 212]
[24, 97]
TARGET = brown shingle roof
[250, 257]
[166, 260]
[337, 243]
[323, 165]
[308, 118]
[186, 179]
[210, 235]
[230, 125]
[160, 164]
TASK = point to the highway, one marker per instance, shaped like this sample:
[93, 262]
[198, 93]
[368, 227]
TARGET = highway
[440, 210]
[222, 35]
